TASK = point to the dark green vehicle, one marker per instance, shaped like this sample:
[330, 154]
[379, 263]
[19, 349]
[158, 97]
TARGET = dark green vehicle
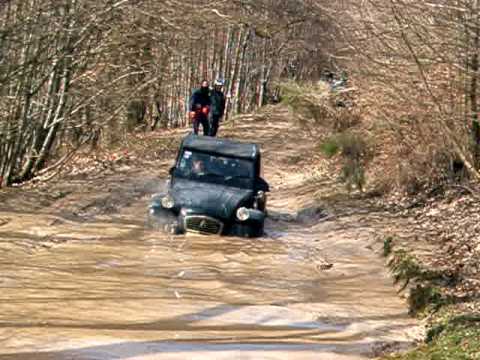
[215, 187]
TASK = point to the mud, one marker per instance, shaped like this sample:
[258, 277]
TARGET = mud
[82, 277]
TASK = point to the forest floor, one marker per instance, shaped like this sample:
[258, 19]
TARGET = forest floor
[436, 255]
[83, 278]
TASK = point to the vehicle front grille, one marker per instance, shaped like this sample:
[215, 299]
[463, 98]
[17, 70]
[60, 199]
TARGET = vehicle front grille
[203, 225]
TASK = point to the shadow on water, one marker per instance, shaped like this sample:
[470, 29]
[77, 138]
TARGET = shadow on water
[193, 322]
[131, 349]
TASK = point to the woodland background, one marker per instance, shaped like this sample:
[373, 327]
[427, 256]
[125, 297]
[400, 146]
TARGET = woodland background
[78, 73]
[400, 119]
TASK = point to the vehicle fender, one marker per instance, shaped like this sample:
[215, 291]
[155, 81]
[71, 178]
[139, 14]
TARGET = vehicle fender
[256, 215]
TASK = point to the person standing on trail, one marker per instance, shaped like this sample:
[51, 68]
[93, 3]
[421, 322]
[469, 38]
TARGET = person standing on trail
[199, 108]
[217, 99]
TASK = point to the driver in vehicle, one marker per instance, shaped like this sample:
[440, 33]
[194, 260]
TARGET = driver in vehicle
[198, 167]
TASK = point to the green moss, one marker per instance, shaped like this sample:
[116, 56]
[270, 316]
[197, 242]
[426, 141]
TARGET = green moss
[450, 337]
[387, 246]
[455, 339]
[426, 298]
[405, 266]
[330, 147]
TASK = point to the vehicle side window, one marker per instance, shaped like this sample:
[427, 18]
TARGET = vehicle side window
[185, 162]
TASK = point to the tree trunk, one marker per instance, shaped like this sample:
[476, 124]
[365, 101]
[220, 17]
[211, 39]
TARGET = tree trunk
[474, 90]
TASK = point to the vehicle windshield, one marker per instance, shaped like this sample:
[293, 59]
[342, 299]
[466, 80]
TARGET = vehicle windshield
[216, 169]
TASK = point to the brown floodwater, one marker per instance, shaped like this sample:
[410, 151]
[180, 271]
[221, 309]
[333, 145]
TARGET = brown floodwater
[108, 287]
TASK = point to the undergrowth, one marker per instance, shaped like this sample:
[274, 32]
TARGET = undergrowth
[355, 152]
[426, 295]
[455, 338]
[450, 336]
[319, 107]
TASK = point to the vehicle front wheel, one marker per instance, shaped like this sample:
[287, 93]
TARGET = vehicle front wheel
[163, 221]
[248, 230]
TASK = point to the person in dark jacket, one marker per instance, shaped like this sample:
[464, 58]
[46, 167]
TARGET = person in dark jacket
[199, 108]
[217, 100]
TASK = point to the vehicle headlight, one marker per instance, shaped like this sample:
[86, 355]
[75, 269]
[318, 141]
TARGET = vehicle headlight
[243, 214]
[168, 202]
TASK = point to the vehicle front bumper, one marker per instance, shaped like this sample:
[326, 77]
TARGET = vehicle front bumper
[192, 221]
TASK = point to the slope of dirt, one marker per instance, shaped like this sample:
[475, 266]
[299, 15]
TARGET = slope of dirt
[448, 226]
[83, 278]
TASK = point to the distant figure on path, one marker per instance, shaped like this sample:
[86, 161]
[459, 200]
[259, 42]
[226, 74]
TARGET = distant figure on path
[217, 100]
[199, 108]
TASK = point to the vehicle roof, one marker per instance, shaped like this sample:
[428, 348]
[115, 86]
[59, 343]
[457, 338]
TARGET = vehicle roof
[222, 146]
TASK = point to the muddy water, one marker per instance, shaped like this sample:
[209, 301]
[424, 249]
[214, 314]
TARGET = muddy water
[111, 289]
[107, 287]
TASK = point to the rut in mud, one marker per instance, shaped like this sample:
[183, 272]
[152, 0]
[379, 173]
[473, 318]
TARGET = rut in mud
[83, 278]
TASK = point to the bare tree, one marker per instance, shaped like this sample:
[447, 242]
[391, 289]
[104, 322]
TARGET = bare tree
[417, 62]
[78, 71]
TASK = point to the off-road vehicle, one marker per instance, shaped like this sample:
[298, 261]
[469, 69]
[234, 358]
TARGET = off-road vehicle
[215, 187]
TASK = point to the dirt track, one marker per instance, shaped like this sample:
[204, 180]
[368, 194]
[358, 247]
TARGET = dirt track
[83, 278]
